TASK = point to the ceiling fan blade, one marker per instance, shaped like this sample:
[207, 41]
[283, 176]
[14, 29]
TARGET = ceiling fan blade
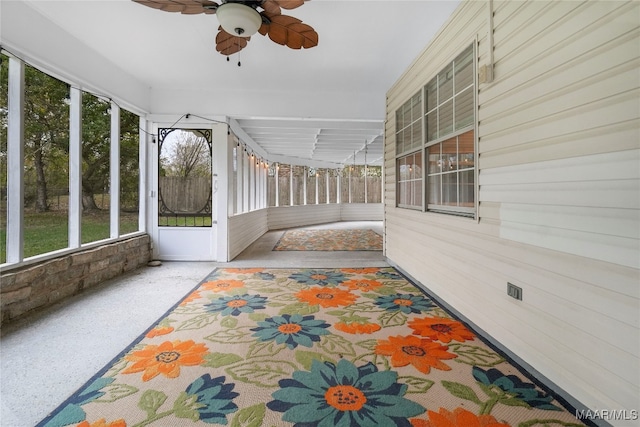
[291, 32]
[228, 44]
[289, 4]
[186, 7]
[271, 7]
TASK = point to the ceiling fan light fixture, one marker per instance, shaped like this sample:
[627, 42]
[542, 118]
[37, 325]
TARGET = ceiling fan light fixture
[239, 19]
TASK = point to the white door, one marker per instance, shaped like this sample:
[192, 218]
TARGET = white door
[184, 229]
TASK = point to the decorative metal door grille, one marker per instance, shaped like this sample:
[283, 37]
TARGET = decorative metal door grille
[184, 177]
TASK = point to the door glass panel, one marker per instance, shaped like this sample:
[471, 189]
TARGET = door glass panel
[184, 181]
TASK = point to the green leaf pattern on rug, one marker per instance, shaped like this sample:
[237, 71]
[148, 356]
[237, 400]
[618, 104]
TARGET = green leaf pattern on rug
[475, 355]
[299, 308]
[253, 416]
[151, 401]
[416, 384]
[114, 392]
[217, 360]
[260, 344]
[263, 373]
[335, 344]
[198, 322]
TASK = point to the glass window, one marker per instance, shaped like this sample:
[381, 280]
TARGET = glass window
[449, 98]
[333, 185]
[451, 174]
[46, 164]
[96, 143]
[374, 184]
[298, 185]
[271, 184]
[409, 170]
[449, 115]
[129, 171]
[321, 175]
[409, 124]
[311, 186]
[357, 184]
[284, 185]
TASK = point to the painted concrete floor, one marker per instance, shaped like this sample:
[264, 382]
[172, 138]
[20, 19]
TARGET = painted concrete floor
[46, 357]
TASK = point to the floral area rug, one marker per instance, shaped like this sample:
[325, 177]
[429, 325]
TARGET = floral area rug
[329, 240]
[301, 347]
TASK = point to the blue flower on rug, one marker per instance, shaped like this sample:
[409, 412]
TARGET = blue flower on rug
[514, 388]
[293, 330]
[215, 398]
[406, 303]
[319, 277]
[73, 413]
[235, 304]
[344, 395]
[265, 276]
[389, 274]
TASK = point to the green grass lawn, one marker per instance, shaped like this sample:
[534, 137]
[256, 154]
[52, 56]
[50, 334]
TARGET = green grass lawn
[47, 232]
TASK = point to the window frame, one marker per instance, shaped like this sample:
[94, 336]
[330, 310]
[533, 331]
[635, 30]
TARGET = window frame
[400, 149]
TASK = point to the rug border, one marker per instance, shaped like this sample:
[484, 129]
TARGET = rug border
[327, 250]
[122, 353]
[478, 332]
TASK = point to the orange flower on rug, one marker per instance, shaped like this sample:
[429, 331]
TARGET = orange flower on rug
[458, 418]
[103, 423]
[363, 285]
[421, 353]
[441, 329]
[165, 359]
[222, 285]
[326, 297]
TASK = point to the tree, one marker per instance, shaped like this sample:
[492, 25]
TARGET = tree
[129, 160]
[46, 140]
[46, 132]
[185, 154]
[96, 142]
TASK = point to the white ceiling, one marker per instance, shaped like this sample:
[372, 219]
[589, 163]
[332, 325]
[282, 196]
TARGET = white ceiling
[325, 104]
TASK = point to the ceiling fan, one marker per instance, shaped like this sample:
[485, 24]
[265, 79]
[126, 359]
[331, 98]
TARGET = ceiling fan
[240, 19]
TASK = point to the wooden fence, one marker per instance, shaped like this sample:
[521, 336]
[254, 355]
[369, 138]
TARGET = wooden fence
[373, 190]
[184, 195]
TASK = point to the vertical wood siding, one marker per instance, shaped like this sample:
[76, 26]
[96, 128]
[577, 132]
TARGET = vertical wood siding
[297, 216]
[559, 192]
[361, 212]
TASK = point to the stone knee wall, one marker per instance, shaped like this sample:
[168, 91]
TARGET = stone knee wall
[38, 286]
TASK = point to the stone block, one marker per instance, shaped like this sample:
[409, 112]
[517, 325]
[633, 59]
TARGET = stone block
[30, 275]
[21, 308]
[57, 265]
[13, 297]
[8, 282]
[98, 265]
[82, 258]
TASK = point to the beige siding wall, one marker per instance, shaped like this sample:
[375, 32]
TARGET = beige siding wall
[558, 190]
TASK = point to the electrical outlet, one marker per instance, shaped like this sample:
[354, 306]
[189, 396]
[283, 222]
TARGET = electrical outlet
[514, 291]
